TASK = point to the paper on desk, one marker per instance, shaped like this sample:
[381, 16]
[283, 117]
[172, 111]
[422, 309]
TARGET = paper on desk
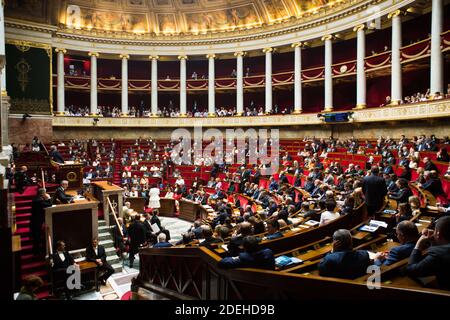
[378, 223]
[371, 255]
[155, 228]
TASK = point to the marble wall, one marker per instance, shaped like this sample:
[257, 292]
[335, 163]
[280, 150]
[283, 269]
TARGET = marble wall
[22, 131]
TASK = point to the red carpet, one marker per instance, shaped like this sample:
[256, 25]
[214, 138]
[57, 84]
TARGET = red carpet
[29, 263]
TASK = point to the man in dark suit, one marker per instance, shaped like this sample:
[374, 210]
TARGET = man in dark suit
[403, 193]
[433, 184]
[149, 232]
[96, 253]
[60, 193]
[429, 166]
[21, 179]
[436, 262]
[60, 261]
[120, 238]
[374, 189]
[55, 155]
[137, 233]
[208, 237]
[236, 243]
[344, 262]
[407, 235]
[38, 205]
[155, 220]
[252, 257]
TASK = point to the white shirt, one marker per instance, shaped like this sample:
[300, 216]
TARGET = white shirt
[62, 256]
[180, 182]
[328, 216]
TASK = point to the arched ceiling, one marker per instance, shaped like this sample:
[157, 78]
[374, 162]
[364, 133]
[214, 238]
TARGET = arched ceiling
[168, 17]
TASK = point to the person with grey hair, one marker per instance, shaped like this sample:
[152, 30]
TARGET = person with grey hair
[343, 261]
[162, 242]
[60, 194]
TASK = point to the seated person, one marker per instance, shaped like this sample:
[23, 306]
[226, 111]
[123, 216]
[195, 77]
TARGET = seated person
[403, 193]
[60, 193]
[329, 214]
[407, 235]
[236, 242]
[273, 230]
[252, 257]
[96, 253]
[162, 242]
[60, 261]
[30, 284]
[343, 261]
[436, 262]
[207, 235]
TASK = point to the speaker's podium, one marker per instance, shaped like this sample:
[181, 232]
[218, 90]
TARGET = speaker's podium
[103, 190]
[70, 171]
[75, 223]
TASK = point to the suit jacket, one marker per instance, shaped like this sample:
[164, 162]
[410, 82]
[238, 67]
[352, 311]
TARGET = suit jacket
[262, 259]
[235, 246]
[435, 263]
[38, 206]
[398, 253]
[434, 186]
[56, 156]
[431, 166]
[162, 245]
[375, 190]
[58, 264]
[61, 195]
[137, 233]
[402, 195]
[117, 236]
[345, 264]
[155, 220]
[91, 256]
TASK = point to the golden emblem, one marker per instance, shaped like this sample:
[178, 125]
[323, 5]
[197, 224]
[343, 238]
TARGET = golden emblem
[71, 176]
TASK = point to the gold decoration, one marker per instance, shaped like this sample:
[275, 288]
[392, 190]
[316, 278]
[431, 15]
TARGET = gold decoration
[23, 67]
[71, 176]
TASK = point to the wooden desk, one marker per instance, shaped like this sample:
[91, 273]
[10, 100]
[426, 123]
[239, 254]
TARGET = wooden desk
[167, 207]
[191, 211]
[90, 267]
[102, 190]
[137, 203]
[73, 173]
[75, 223]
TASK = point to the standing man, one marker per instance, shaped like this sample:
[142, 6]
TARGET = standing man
[56, 156]
[374, 189]
[96, 253]
[137, 235]
[21, 179]
[38, 205]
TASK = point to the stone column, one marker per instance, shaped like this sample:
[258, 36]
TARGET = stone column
[360, 71]
[297, 77]
[60, 104]
[436, 63]
[268, 52]
[396, 67]
[183, 97]
[124, 58]
[94, 104]
[328, 74]
[154, 85]
[239, 82]
[211, 85]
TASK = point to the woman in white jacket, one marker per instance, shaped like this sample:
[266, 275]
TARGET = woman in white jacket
[154, 197]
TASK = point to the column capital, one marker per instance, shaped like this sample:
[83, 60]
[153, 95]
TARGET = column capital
[239, 54]
[359, 27]
[297, 45]
[395, 13]
[182, 57]
[155, 57]
[124, 56]
[327, 37]
[64, 51]
[265, 50]
[210, 56]
[93, 54]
